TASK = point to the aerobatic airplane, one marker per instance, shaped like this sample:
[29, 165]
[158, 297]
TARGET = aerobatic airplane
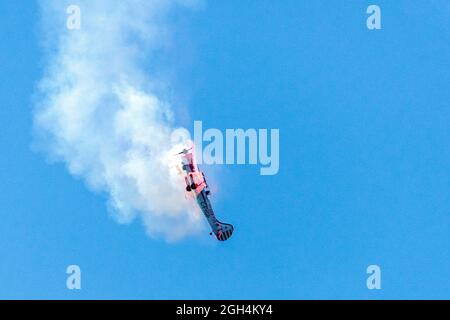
[197, 186]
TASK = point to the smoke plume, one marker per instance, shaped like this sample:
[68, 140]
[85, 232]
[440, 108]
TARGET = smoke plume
[100, 111]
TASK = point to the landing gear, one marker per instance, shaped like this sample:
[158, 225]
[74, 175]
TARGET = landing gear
[191, 187]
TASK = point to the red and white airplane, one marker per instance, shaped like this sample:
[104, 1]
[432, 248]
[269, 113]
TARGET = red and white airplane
[197, 186]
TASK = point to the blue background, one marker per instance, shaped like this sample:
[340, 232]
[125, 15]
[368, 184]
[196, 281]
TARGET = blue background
[364, 174]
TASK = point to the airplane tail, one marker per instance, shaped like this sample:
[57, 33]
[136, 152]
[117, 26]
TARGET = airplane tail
[224, 231]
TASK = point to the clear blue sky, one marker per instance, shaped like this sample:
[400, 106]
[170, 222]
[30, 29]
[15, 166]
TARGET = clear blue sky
[364, 175]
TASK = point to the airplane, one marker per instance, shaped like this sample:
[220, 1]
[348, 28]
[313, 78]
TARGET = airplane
[197, 186]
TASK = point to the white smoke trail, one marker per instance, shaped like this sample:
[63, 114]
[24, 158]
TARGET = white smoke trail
[99, 112]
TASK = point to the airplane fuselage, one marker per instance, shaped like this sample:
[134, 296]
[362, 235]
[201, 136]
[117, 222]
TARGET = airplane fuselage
[196, 184]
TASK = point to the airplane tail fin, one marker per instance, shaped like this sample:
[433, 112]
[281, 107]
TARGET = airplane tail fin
[224, 231]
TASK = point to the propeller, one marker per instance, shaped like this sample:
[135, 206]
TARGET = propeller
[184, 151]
